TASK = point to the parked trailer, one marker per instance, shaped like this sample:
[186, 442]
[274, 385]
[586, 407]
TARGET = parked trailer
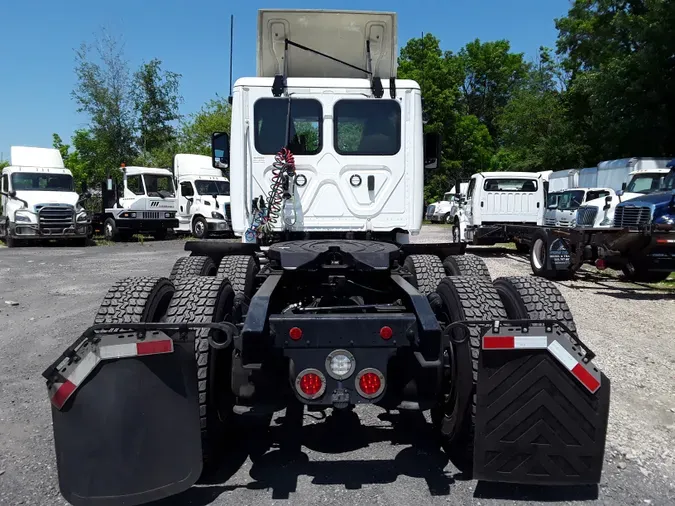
[347, 314]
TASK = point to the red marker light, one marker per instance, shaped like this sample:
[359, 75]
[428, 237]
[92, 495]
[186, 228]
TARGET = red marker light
[386, 332]
[295, 333]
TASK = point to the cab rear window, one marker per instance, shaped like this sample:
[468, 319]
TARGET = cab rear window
[510, 185]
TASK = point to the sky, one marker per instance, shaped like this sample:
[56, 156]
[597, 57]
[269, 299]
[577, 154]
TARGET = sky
[191, 37]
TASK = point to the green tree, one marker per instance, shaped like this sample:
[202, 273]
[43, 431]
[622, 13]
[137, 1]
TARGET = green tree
[195, 133]
[103, 92]
[156, 101]
[491, 75]
[621, 94]
[3, 164]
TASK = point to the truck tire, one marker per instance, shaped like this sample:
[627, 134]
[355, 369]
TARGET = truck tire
[427, 271]
[465, 298]
[200, 229]
[241, 270]
[193, 266]
[466, 265]
[110, 231]
[447, 219]
[531, 298]
[202, 299]
[10, 241]
[641, 274]
[136, 300]
[539, 258]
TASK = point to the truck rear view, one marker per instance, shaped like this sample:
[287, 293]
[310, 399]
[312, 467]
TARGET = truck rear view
[336, 311]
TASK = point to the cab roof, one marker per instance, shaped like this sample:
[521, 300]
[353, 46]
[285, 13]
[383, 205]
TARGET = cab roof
[134, 170]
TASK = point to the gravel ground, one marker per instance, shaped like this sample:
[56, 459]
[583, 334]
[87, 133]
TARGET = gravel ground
[390, 460]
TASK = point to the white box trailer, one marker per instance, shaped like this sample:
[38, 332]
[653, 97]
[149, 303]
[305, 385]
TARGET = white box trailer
[588, 177]
[562, 180]
[614, 173]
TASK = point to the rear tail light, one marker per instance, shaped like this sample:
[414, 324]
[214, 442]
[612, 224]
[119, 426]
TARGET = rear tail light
[310, 384]
[369, 383]
[295, 333]
[600, 264]
[386, 332]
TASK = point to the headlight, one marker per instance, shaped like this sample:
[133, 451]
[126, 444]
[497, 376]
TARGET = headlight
[217, 216]
[605, 222]
[82, 216]
[23, 217]
[573, 223]
[169, 215]
[127, 215]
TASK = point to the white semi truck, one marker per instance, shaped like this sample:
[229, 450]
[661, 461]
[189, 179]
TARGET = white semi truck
[325, 304]
[203, 195]
[444, 210]
[38, 199]
[145, 203]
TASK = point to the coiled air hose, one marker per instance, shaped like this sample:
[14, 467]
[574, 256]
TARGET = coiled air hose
[265, 216]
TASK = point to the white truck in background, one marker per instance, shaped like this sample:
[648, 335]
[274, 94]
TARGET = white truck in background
[599, 212]
[145, 203]
[203, 195]
[495, 199]
[563, 211]
[38, 199]
[444, 210]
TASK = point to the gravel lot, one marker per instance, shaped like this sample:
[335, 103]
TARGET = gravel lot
[389, 460]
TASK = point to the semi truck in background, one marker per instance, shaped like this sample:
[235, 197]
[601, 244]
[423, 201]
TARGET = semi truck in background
[144, 203]
[203, 195]
[38, 199]
[444, 210]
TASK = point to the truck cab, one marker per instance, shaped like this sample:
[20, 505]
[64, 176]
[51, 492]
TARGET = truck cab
[563, 212]
[495, 199]
[329, 147]
[203, 194]
[145, 203]
[445, 210]
[599, 213]
[38, 199]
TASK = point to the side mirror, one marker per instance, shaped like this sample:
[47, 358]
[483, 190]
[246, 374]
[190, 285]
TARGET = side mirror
[432, 150]
[608, 203]
[12, 193]
[620, 192]
[623, 187]
[220, 150]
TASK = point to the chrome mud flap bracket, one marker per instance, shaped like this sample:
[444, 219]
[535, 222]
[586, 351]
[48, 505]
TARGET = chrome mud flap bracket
[125, 413]
[542, 407]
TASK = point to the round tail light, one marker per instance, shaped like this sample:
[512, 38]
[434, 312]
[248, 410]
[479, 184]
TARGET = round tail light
[310, 384]
[600, 264]
[369, 383]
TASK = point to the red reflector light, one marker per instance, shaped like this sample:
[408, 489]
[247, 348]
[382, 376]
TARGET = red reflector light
[585, 377]
[311, 384]
[295, 333]
[499, 342]
[386, 332]
[370, 383]
[600, 264]
[153, 347]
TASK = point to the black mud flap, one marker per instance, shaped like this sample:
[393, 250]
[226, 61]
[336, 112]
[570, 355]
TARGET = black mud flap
[542, 408]
[126, 419]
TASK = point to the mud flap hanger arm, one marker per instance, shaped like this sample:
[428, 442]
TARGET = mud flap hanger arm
[181, 331]
[280, 85]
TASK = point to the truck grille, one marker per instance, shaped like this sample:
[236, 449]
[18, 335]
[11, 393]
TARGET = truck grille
[151, 215]
[632, 216]
[228, 213]
[55, 217]
[549, 222]
[586, 216]
[430, 211]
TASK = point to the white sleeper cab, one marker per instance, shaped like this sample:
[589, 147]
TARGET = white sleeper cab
[38, 199]
[203, 195]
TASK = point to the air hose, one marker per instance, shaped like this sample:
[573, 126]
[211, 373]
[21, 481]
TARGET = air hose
[266, 213]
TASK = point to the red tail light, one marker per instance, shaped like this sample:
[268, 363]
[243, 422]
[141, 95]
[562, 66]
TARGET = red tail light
[600, 264]
[310, 383]
[295, 333]
[370, 383]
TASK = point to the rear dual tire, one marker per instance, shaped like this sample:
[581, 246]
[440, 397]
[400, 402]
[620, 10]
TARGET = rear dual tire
[428, 271]
[467, 298]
